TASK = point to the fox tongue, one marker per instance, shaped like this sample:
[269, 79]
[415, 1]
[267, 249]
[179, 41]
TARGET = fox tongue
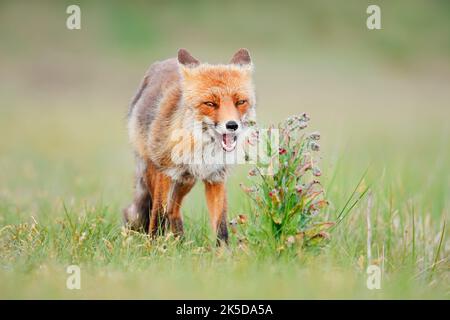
[228, 140]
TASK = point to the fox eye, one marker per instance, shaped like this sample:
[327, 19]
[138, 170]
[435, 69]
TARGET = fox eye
[210, 104]
[240, 102]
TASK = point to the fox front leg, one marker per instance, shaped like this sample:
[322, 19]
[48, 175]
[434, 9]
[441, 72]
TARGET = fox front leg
[217, 207]
[177, 191]
[158, 185]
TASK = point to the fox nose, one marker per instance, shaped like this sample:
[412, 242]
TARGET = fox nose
[231, 125]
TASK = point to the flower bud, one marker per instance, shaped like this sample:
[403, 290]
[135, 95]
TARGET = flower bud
[314, 146]
[314, 135]
[305, 117]
[302, 125]
[316, 172]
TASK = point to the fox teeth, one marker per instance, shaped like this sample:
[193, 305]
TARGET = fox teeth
[227, 144]
[230, 147]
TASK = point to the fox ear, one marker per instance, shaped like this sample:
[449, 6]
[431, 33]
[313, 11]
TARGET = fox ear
[185, 58]
[241, 57]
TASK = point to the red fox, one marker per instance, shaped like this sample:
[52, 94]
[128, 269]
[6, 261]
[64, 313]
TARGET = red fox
[177, 97]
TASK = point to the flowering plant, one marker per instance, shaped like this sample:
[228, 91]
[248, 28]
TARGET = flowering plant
[286, 202]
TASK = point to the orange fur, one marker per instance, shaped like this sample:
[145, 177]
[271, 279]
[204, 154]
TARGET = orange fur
[217, 207]
[174, 96]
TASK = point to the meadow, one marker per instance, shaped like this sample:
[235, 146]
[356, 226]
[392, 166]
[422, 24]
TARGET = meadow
[381, 104]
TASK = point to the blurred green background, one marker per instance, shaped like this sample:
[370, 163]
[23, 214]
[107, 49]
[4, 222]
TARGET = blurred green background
[381, 98]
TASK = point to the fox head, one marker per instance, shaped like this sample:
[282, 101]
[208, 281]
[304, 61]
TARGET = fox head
[222, 96]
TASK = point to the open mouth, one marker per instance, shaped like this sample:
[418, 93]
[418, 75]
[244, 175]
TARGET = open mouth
[229, 142]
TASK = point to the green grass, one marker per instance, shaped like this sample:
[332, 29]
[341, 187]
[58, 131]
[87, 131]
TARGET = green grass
[64, 181]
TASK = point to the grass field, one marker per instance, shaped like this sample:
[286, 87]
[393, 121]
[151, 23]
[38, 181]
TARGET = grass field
[66, 172]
